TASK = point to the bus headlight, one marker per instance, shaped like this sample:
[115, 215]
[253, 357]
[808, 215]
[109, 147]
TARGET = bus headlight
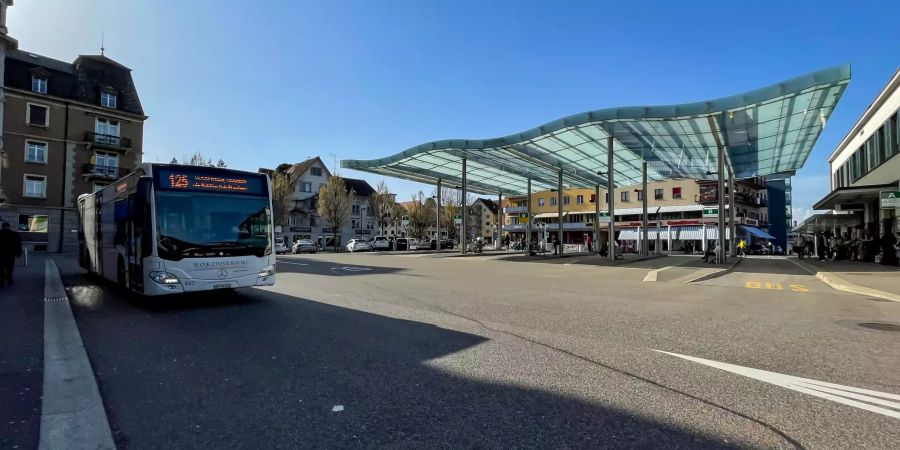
[164, 278]
[267, 271]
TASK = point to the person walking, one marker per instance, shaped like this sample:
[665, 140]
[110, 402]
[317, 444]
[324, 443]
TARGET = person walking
[742, 246]
[799, 246]
[10, 249]
[888, 252]
[710, 252]
[555, 245]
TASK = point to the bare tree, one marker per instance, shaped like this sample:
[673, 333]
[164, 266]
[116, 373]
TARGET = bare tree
[420, 212]
[197, 159]
[397, 213]
[334, 205]
[382, 205]
[451, 205]
[221, 164]
[282, 193]
[173, 161]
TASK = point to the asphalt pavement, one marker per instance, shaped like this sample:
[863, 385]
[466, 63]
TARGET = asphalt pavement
[368, 350]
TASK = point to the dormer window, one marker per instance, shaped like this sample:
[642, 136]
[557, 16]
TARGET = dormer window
[39, 84]
[108, 99]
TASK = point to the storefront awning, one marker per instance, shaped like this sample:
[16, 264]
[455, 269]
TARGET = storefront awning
[757, 232]
[549, 215]
[848, 198]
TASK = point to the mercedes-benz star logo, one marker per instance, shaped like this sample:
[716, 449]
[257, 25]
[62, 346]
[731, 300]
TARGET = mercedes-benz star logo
[222, 274]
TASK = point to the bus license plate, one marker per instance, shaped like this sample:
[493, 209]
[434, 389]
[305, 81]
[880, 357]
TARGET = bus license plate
[222, 286]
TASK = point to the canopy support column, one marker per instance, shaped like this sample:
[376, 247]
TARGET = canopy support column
[437, 217]
[610, 171]
[559, 208]
[464, 229]
[645, 238]
[732, 193]
[499, 221]
[596, 240]
[668, 237]
[720, 248]
[528, 223]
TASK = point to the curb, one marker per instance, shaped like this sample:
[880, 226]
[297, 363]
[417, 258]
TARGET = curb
[72, 412]
[837, 283]
[715, 274]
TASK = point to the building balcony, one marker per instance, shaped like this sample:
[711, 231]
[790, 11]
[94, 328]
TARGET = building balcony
[107, 141]
[95, 172]
[515, 209]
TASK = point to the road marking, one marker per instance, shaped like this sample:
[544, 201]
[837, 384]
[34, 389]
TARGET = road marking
[72, 414]
[294, 263]
[847, 395]
[352, 268]
[775, 286]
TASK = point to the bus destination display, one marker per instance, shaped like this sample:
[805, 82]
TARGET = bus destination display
[180, 180]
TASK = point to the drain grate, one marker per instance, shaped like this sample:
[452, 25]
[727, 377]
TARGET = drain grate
[881, 326]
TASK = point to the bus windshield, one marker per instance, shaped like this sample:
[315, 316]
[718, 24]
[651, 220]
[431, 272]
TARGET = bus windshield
[198, 224]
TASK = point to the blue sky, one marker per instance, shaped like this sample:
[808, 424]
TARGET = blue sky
[259, 85]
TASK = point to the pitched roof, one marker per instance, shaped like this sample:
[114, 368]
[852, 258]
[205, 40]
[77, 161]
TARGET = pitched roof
[490, 204]
[360, 187]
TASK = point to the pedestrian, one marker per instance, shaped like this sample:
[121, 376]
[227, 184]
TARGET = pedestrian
[888, 252]
[555, 245]
[10, 249]
[710, 252]
[741, 247]
[799, 246]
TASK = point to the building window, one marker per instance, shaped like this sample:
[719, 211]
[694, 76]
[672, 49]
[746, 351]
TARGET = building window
[356, 210]
[35, 186]
[541, 201]
[39, 85]
[579, 199]
[36, 152]
[305, 186]
[106, 164]
[657, 194]
[312, 221]
[624, 196]
[33, 223]
[38, 115]
[107, 127]
[566, 200]
[676, 192]
[316, 171]
[640, 194]
[108, 99]
[607, 197]
[552, 201]
[99, 186]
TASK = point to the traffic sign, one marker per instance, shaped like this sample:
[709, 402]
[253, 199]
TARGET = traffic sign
[603, 217]
[890, 199]
[710, 212]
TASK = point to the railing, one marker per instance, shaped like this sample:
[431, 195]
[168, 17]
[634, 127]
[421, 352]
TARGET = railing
[102, 171]
[515, 209]
[107, 139]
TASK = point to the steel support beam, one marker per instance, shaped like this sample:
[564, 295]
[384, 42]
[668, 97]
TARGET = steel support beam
[596, 240]
[559, 208]
[528, 223]
[611, 188]
[720, 173]
[437, 217]
[732, 193]
[464, 230]
[499, 221]
[645, 238]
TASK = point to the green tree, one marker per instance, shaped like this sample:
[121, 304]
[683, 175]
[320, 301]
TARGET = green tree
[335, 203]
[282, 193]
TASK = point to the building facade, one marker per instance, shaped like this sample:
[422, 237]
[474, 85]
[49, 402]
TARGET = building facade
[864, 164]
[303, 221]
[68, 129]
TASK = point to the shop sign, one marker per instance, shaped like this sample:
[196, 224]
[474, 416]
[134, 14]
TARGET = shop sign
[301, 230]
[890, 199]
[362, 232]
[603, 217]
[710, 212]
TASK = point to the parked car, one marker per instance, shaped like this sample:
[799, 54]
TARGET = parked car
[757, 249]
[358, 245]
[405, 244]
[304, 246]
[432, 244]
[280, 246]
[380, 243]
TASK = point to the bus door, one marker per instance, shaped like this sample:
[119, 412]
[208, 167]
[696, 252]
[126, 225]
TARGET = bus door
[139, 233]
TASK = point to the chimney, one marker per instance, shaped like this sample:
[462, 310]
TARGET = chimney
[3, 5]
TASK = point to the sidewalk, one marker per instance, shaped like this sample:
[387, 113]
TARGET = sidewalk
[874, 280]
[22, 355]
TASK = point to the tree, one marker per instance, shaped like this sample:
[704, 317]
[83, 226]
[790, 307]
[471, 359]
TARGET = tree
[221, 164]
[173, 161]
[282, 193]
[420, 212]
[451, 205]
[197, 159]
[382, 205]
[334, 205]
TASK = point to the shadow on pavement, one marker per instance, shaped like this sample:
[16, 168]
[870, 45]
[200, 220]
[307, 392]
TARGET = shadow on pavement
[335, 269]
[267, 370]
[775, 265]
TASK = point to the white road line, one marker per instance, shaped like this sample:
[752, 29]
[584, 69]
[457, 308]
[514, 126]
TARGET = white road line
[72, 414]
[847, 395]
[294, 263]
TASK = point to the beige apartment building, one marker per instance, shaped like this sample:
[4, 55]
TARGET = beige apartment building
[68, 129]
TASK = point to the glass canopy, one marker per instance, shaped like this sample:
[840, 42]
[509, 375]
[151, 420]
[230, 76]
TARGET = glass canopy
[766, 132]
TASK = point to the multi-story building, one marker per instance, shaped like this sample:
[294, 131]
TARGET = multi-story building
[68, 129]
[676, 212]
[864, 165]
[303, 221]
[482, 219]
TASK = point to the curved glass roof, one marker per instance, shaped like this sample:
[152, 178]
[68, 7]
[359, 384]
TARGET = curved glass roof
[768, 131]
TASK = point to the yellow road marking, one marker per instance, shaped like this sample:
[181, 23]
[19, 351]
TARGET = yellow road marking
[774, 286]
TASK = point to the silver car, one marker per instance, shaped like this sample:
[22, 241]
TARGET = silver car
[304, 246]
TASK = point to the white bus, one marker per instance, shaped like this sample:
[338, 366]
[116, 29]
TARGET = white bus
[166, 229]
